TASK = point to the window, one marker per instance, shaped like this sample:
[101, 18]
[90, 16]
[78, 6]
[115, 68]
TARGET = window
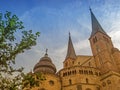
[95, 39]
[72, 62]
[103, 84]
[72, 72]
[81, 71]
[75, 71]
[85, 72]
[79, 63]
[70, 81]
[63, 74]
[96, 73]
[90, 72]
[69, 73]
[79, 87]
[51, 82]
[86, 80]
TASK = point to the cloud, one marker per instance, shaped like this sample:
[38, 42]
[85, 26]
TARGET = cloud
[115, 35]
[55, 24]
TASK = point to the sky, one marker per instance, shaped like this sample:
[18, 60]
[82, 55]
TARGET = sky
[54, 19]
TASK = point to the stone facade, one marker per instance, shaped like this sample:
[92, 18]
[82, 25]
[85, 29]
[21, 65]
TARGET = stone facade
[80, 72]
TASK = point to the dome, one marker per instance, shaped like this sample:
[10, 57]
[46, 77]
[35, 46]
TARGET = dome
[45, 65]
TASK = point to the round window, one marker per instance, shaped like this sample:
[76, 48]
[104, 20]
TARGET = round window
[51, 82]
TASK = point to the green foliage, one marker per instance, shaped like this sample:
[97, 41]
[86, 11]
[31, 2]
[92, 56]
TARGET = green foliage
[10, 46]
[32, 80]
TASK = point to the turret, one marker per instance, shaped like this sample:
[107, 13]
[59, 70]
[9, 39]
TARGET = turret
[45, 65]
[71, 55]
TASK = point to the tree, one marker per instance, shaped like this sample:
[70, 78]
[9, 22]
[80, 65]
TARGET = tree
[10, 46]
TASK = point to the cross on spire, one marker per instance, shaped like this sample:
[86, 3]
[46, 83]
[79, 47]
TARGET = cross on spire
[46, 52]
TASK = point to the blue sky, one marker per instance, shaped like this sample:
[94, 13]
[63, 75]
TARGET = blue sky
[55, 19]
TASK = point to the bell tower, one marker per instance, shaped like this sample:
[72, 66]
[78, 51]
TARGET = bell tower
[101, 46]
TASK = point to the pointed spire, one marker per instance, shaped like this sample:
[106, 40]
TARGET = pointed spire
[96, 27]
[70, 51]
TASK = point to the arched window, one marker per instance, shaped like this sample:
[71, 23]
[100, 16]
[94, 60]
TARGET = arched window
[86, 80]
[85, 72]
[63, 74]
[90, 72]
[70, 72]
[81, 71]
[72, 62]
[96, 73]
[70, 81]
[103, 84]
[75, 71]
[95, 39]
[99, 74]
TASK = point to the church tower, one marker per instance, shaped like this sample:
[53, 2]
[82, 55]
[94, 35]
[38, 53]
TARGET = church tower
[71, 55]
[101, 46]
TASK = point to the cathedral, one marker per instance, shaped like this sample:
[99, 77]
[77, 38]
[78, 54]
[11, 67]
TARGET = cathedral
[101, 71]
